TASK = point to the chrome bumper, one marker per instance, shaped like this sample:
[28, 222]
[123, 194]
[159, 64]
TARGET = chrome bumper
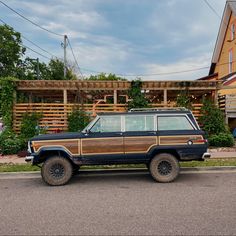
[206, 155]
[29, 158]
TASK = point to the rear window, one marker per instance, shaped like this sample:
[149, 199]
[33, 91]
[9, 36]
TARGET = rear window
[174, 123]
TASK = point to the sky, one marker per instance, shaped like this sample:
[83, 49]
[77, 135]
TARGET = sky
[130, 38]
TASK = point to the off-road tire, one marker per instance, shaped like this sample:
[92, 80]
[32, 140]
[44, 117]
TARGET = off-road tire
[164, 168]
[56, 171]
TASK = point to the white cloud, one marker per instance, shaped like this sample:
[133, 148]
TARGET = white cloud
[191, 63]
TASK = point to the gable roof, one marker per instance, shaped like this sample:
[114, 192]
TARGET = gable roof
[230, 7]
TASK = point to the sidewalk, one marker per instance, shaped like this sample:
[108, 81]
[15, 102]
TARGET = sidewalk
[215, 154]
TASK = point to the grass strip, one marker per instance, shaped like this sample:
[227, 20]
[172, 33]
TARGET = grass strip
[208, 163]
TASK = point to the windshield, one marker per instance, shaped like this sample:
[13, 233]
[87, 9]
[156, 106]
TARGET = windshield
[88, 127]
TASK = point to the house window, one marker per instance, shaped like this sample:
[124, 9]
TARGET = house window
[230, 60]
[232, 37]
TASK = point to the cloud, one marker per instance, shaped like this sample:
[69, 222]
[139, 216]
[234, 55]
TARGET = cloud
[191, 63]
[124, 37]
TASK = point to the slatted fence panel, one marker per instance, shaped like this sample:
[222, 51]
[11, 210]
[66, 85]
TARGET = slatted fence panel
[55, 114]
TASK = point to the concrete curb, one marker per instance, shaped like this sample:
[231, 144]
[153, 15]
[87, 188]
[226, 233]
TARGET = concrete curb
[184, 170]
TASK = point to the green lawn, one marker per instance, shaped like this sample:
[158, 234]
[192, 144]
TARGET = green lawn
[207, 163]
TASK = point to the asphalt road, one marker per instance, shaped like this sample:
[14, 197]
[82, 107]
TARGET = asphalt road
[120, 204]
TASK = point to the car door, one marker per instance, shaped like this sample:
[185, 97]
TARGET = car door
[103, 143]
[140, 136]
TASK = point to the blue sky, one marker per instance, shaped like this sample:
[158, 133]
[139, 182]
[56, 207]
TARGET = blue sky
[129, 37]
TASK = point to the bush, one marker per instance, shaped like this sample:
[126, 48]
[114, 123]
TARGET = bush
[77, 121]
[10, 143]
[212, 119]
[29, 125]
[138, 99]
[221, 140]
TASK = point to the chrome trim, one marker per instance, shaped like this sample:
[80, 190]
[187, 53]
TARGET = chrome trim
[29, 147]
[206, 155]
[29, 158]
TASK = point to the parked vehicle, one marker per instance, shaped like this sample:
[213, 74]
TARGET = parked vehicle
[159, 138]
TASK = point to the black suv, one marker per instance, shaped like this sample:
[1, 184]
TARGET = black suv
[159, 138]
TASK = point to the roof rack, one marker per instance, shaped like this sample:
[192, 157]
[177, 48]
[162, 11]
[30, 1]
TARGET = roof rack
[159, 109]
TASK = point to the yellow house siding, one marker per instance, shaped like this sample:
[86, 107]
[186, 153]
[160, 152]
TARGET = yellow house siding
[222, 67]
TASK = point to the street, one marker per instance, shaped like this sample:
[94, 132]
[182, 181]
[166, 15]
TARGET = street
[128, 203]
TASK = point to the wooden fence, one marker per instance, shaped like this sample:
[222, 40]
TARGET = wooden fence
[55, 114]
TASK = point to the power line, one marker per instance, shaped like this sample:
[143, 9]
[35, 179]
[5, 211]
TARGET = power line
[75, 58]
[216, 13]
[30, 41]
[35, 51]
[39, 26]
[212, 8]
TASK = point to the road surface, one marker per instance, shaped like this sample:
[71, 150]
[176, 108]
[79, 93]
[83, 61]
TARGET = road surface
[129, 203]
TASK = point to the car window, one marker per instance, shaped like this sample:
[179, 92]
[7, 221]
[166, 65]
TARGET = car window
[139, 123]
[107, 124]
[174, 123]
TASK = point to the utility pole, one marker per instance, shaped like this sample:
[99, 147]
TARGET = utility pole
[65, 62]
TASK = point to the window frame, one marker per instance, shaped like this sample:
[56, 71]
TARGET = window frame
[232, 30]
[145, 117]
[230, 60]
[97, 120]
[176, 115]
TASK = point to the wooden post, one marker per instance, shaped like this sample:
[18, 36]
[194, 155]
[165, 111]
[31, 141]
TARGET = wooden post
[64, 96]
[115, 96]
[65, 108]
[165, 97]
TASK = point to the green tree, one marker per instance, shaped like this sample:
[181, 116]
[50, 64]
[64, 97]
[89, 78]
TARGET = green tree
[56, 68]
[11, 52]
[103, 76]
[138, 99]
[30, 70]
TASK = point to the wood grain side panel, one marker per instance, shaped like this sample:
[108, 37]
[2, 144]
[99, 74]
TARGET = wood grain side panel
[178, 140]
[73, 146]
[139, 144]
[102, 146]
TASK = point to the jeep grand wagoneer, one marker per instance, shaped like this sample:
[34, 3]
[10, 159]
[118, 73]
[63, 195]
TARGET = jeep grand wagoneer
[159, 138]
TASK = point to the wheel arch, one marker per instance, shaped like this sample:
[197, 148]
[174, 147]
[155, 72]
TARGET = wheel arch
[155, 151]
[48, 152]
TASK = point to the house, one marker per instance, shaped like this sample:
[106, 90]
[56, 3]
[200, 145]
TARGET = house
[223, 64]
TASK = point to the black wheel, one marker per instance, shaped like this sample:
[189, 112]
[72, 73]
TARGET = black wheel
[164, 168]
[56, 171]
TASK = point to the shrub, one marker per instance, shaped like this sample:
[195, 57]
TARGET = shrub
[138, 99]
[77, 121]
[183, 100]
[10, 143]
[29, 125]
[212, 119]
[221, 140]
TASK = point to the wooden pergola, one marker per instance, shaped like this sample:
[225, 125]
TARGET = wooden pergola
[55, 99]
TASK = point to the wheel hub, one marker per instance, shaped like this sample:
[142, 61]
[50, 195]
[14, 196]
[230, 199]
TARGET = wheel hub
[57, 171]
[164, 168]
